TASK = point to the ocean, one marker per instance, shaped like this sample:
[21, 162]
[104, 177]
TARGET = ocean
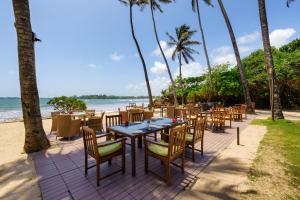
[10, 108]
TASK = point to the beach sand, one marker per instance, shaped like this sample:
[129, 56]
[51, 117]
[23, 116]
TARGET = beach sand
[18, 178]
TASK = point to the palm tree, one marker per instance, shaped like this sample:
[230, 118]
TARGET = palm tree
[238, 58]
[183, 49]
[195, 7]
[288, 2]
[274, 90]
[35, 137]
[154, 5]
[139, 3]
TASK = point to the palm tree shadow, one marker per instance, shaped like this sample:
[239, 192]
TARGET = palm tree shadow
[18, 179]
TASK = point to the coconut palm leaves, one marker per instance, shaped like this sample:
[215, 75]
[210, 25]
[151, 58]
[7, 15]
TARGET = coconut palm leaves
[195, 7]
[141, 4]
[288, 2]
[183, 47]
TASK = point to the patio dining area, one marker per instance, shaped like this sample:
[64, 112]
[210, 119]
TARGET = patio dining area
[61, 171]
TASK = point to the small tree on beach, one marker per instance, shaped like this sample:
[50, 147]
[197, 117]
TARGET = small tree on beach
[154, 5]
[196, 8]
[275, 102]
[67, 104]
[238, 58]
[35, 137]
[141, 4]
[182, 44]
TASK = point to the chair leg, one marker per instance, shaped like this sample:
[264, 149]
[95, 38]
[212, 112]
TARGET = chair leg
[193, 152]
[146, 161]
[123, 161]
[202, 148]
[98, 172]
[155, 136]
[168, 173]
[182, 163]
[85, 163]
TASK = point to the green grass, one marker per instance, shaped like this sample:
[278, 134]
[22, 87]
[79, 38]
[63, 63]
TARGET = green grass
[284, 137]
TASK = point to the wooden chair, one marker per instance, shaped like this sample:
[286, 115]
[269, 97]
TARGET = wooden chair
[228, 115]
[137, 117]
[67, 127]
[217, 120]
[192, 138]
[148, 114]
[54, 121]
[125, 116]
[170, 111]
[167, 152]
[102, 152]
[96, 123]
[113, 120]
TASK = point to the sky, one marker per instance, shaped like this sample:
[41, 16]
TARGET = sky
[87, 48]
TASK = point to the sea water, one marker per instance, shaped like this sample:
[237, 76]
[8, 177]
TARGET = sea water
[11, 110]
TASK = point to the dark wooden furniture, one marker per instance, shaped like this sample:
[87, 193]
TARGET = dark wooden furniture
[102, 152]
[167, 152]
[136, 130]
[192, 138]
[96, 123]
[137, 117]
[113, 120]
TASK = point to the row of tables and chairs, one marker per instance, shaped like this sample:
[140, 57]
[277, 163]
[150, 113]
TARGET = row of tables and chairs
[180, 128]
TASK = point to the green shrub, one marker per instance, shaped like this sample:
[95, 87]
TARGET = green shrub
[67, 104]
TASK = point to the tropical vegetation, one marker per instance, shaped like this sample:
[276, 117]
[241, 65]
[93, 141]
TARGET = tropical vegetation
[227, 86]
[65, 104]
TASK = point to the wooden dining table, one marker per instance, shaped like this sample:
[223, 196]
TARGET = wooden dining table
[139, 129]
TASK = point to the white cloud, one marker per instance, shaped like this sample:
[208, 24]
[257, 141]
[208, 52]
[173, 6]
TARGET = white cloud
[223, 55]
[157, 85]
[281, 37]
[158, 68]
[249, 38]
[116, 57]
[92, 66]
[191, 70]
[167, 50]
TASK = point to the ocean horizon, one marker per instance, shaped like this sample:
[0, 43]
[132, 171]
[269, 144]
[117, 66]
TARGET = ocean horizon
[11, 110]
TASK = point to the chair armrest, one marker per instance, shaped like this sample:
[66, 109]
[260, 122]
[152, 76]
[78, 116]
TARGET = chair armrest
[114, 142]
[157, 143]
[103, 135]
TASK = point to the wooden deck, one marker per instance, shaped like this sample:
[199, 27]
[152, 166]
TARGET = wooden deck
[61, 171]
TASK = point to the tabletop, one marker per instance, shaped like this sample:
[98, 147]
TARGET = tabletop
[142, 128]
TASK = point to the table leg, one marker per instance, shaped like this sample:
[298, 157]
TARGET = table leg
[140, 142]
[162, 112]
[133, 155]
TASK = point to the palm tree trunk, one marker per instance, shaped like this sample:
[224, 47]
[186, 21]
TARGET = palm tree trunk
[206, 53]
[274, 90]
[163, 54]
[141, 57]
[180, 77]
[35, 137]
[238, 58]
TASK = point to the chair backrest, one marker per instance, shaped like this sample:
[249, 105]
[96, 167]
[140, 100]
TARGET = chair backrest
[54, 120]
[90, 142]
[63, 124]
[177, 140]
[199, 129]
[137, 117]
[148, 114]
[124, 115]
[113, 120]
[170, 111]
[220, 115]
[96, 123]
